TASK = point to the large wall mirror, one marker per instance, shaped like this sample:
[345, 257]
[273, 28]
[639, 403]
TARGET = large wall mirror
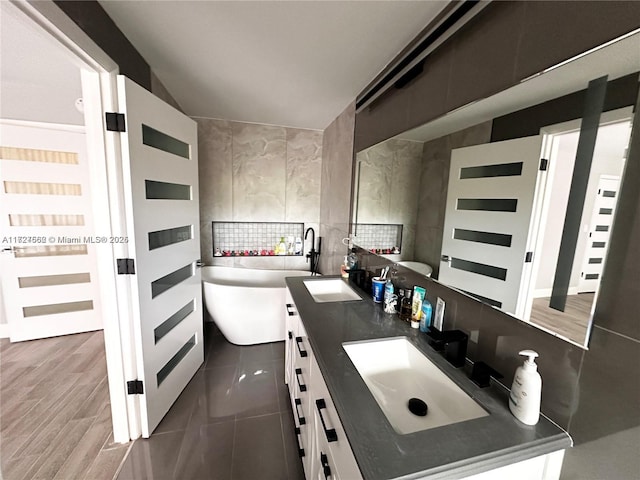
[485, 198]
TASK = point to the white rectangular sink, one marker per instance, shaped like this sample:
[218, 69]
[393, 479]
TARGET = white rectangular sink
[331, 290]
[395, 371]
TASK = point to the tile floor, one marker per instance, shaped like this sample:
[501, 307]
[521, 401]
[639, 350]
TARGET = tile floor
[233, 421]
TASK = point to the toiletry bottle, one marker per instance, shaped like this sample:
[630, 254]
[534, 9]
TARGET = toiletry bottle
[352, 261]
[425, 318]
[400, 298]
[389, 297]
[298, 247]
[344, 268]
[388, 289]
[405, 306]
[416, 306]
[281, 249]
[524, 399]
[290, 245]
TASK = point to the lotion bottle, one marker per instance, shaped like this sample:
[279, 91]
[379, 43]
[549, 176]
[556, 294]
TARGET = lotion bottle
[524, 399]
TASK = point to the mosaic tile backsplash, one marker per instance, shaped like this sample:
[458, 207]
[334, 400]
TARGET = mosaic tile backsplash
[255, 238]
[378, 238]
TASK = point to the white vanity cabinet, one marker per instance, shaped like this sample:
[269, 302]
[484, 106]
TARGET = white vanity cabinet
[323, 445]
[333, 453]
[297, 375]
[290, 322]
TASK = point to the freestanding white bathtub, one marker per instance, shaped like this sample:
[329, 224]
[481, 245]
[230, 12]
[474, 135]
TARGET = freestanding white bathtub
[247, 305]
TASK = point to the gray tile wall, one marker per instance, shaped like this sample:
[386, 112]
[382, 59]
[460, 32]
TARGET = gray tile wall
[434, 180]
[389, 185]
[335, 200]
[257, 173]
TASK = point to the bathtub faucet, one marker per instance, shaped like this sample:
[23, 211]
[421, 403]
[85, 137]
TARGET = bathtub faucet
[313, 254]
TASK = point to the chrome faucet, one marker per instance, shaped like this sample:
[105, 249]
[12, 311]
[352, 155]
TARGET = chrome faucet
[313, 254]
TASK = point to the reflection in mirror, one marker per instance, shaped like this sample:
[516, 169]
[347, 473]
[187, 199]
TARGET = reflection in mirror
[482, 198]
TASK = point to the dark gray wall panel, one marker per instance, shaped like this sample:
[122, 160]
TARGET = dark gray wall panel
[621, 92]
[95, 22]
[505, 43]
[484, 54]
[427, 96]
[557, 30]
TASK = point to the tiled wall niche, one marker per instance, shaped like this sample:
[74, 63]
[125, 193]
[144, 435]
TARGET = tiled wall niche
[254, 173]
[378, 238]
[255, 238]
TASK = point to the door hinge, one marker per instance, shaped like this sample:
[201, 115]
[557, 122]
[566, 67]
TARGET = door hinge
[126, 266]
[135, 387]
[528, 257]
[544, 164]
[115, 122]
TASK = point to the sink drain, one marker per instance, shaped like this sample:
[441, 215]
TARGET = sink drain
[417, 407]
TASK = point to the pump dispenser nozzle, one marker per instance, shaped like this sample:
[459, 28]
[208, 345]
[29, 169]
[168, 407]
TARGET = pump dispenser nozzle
[530, 363]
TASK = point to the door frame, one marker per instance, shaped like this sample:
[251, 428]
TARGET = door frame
[549, 133]
[99, 73]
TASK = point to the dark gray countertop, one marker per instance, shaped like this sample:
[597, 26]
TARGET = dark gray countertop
[448, 452]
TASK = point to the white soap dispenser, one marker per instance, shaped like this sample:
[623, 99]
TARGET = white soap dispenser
[524, 399]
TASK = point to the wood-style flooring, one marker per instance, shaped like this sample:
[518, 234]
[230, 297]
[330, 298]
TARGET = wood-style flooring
[572, 323]
[55, 416]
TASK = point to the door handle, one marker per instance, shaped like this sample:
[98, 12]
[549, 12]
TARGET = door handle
[324, 462]
[445, 258]
[301, 419]
[199, 263]
[290, 310]
[13, 249]
[303, 353]
[330, 433]
[303, 387]
[300, 449]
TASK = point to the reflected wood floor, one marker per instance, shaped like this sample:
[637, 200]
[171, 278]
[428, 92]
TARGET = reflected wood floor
[572, 323]
[55, 416]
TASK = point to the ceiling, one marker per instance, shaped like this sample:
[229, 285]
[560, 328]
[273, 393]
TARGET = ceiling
[289, 63]
[38, 79]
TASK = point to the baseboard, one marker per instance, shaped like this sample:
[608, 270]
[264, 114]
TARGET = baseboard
[4, 330]
[546, 292]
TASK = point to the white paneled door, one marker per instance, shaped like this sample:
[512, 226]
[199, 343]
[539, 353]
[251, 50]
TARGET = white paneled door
[488, 221]
[599, 232]
[48, 260]
[160, 163]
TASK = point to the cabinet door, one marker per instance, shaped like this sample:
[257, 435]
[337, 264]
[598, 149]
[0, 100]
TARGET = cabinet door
[291, 331]
[300, 367]
[322, 463]
[329, 429]
[299, 391]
